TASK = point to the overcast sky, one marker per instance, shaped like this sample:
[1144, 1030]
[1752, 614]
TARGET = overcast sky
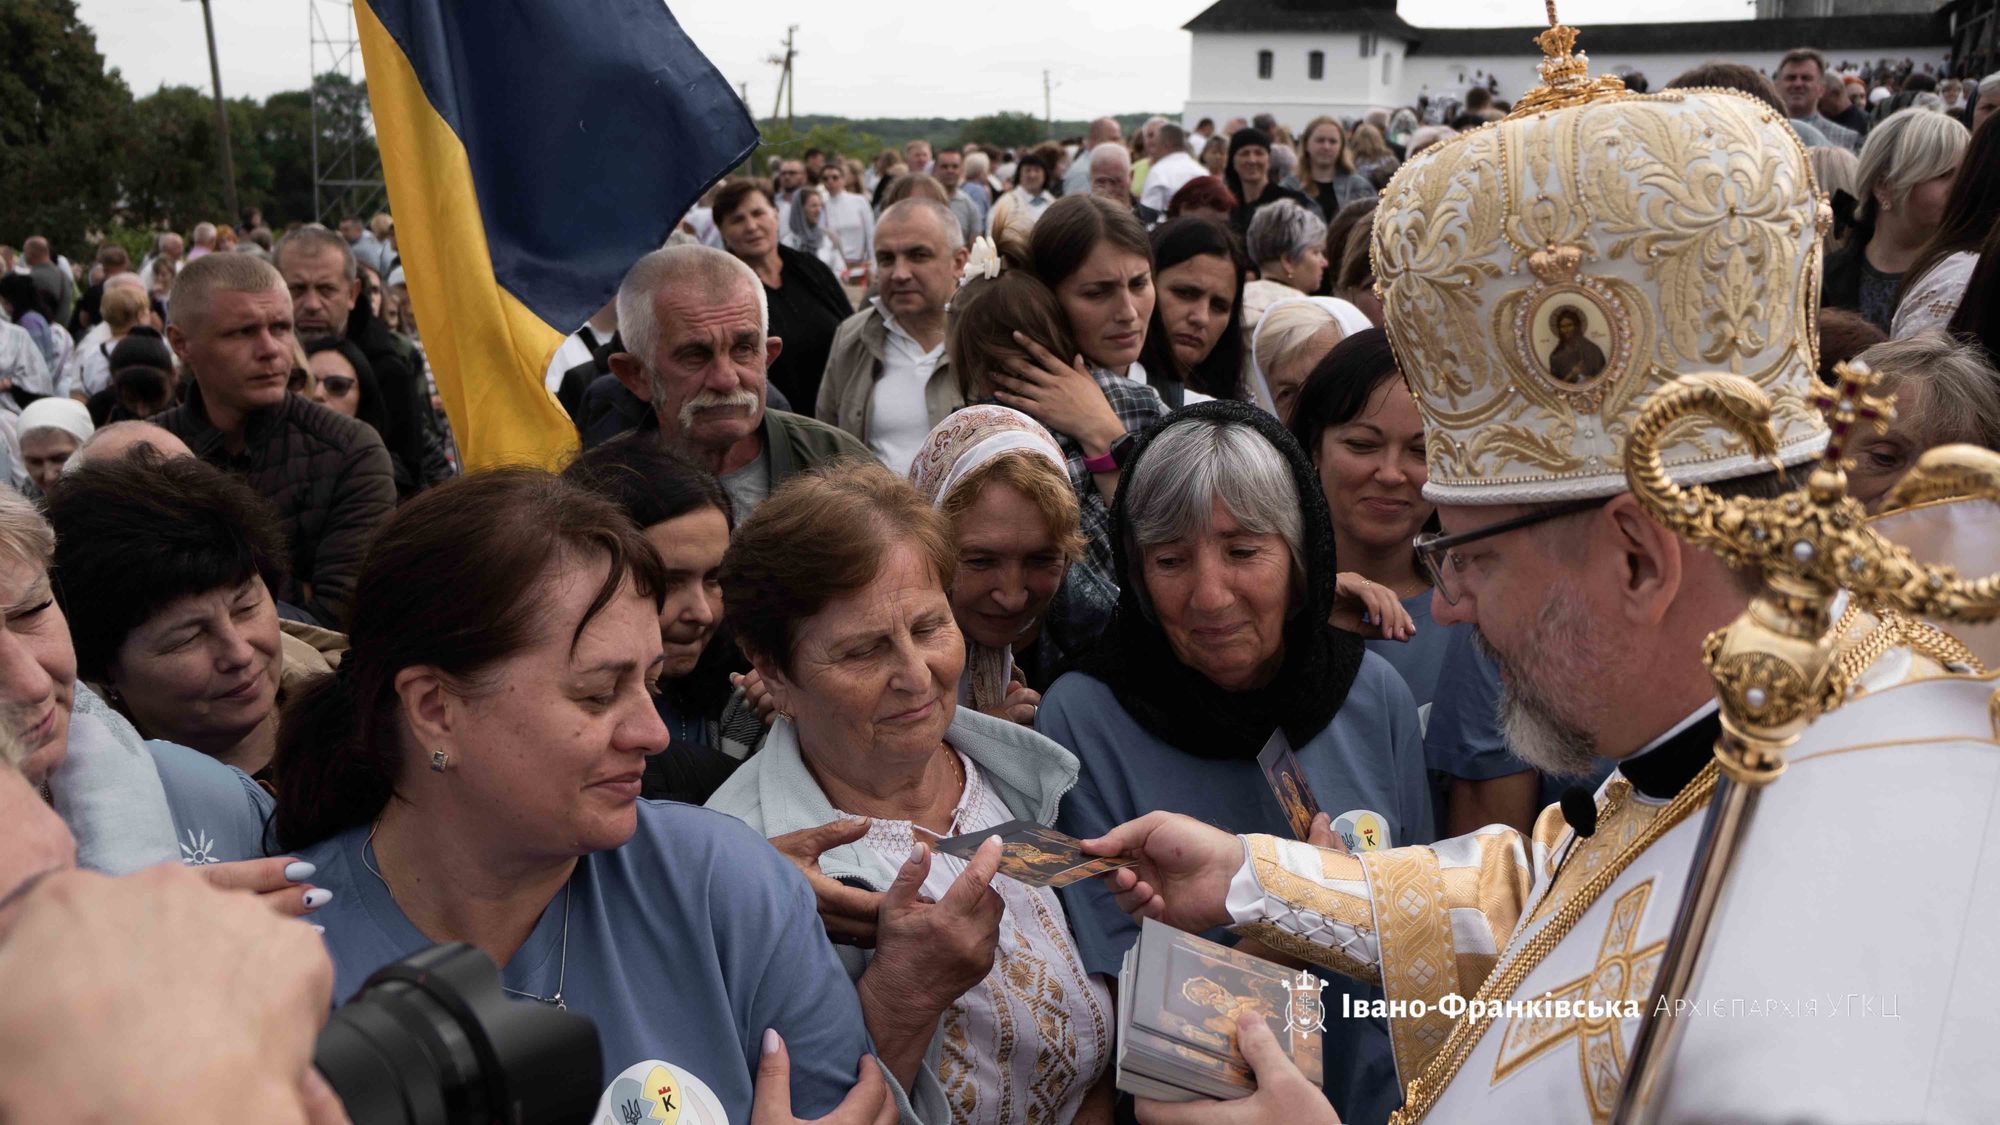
[857, 58]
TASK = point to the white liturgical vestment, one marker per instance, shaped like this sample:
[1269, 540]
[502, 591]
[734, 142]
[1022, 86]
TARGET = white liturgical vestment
[1516, 968]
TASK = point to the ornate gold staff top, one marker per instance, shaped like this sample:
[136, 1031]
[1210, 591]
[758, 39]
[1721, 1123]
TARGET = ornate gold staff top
[1775, 666]
[1778, 667]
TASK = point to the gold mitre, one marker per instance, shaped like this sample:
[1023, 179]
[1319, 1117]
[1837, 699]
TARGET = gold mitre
[1542, 275]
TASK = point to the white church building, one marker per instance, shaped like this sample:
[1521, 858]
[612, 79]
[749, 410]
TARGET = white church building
[1296, 59]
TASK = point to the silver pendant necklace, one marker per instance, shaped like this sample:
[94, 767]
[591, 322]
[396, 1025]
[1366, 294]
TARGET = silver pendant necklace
[562, 965]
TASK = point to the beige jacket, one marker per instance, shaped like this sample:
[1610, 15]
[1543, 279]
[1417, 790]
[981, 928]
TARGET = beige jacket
[854, 363]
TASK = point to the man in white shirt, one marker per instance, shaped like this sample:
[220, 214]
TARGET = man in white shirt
[949, 168]
[580, 346]
[887, 381]
[1103, 131]
[791, 179]
[851, 220]
[1172, 169]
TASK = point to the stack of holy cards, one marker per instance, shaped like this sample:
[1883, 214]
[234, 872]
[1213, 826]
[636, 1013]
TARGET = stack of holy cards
[1179, 998]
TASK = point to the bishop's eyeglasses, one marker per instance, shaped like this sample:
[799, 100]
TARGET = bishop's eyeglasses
[1439, 553]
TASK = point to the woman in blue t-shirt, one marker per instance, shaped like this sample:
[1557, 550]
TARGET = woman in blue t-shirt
[1356, 420]
[472, 773]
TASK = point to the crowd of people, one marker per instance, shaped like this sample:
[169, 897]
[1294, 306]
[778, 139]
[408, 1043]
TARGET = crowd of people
[917, 494]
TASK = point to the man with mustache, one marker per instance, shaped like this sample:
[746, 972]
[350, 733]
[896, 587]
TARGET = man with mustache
[887, 378]
[697, 341]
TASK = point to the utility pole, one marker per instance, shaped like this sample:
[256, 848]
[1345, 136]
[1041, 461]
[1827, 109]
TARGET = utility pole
[784, 61]
[221, 120]
[1048, 115]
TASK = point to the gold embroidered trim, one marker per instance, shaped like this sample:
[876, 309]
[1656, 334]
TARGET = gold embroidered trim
[1418, 961]
[1423, 1091]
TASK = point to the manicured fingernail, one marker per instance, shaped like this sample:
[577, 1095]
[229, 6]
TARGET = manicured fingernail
[317, 928]
[298, 871]
[318, 897]
[771, 1041]
[917, 852]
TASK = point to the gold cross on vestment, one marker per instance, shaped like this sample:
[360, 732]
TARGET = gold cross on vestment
[1849, 407]
[1622, 973]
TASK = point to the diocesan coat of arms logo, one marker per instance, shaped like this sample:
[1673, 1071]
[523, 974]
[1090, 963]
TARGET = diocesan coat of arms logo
[1305, 1012]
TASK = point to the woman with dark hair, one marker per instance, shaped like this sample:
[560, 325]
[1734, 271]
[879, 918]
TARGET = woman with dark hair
[1204, 197]
[1936, 281]
[1022, 206]
[473, 774]
[1194, 346]
[1356, 419]
[165, 569]
[343, 381]
[686, 515]
[28, 308]
[1249, 178]
[805, 300]
[991, 319]
[1095, 259]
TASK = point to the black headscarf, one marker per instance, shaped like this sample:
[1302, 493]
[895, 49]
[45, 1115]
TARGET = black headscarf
[1238, 141]
[1186, 709]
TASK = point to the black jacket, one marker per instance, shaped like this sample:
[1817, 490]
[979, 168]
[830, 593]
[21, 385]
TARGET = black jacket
[404, 397]
[325, 473]
[805, 313]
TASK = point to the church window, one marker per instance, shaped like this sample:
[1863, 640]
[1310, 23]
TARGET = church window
[1263, 64]
[1368, 45]
[1315, 65]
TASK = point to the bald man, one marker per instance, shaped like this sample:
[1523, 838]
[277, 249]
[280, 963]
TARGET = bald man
[119, 438]
[1103, 131]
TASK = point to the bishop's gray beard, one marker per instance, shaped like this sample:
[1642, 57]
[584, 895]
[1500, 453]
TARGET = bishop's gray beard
[1545, 707]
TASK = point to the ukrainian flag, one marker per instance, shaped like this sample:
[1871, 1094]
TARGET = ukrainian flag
[533, 149]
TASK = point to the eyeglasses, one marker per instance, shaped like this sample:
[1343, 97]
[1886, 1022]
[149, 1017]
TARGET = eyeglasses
[1439, 553]
[336, 385]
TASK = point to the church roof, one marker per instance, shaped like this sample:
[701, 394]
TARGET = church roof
[1727, 38]
[1724, 37]
[1303, 15]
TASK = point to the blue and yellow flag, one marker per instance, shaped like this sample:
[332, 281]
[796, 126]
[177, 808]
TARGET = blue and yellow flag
[534, 149]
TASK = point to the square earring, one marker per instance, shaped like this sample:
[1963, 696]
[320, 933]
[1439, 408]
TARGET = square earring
[439, 760]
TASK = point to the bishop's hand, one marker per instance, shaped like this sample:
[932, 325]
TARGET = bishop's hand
[1184, 869]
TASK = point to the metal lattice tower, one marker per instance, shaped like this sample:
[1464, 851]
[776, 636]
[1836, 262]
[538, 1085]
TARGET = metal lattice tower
[341, 123]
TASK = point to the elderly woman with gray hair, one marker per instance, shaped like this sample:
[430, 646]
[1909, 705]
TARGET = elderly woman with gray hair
[1287, 240]
[1220, 648]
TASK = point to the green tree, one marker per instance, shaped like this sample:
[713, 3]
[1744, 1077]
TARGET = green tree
[1008, 130]
[832, 136]
[62, 126]
[173, 176]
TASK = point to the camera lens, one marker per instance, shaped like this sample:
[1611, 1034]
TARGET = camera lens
[432, 1040]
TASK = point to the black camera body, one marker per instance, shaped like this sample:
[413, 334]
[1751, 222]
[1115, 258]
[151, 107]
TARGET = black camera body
[432, 1040]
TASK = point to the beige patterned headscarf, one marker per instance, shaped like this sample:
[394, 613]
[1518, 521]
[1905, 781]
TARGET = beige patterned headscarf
[956, 446]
